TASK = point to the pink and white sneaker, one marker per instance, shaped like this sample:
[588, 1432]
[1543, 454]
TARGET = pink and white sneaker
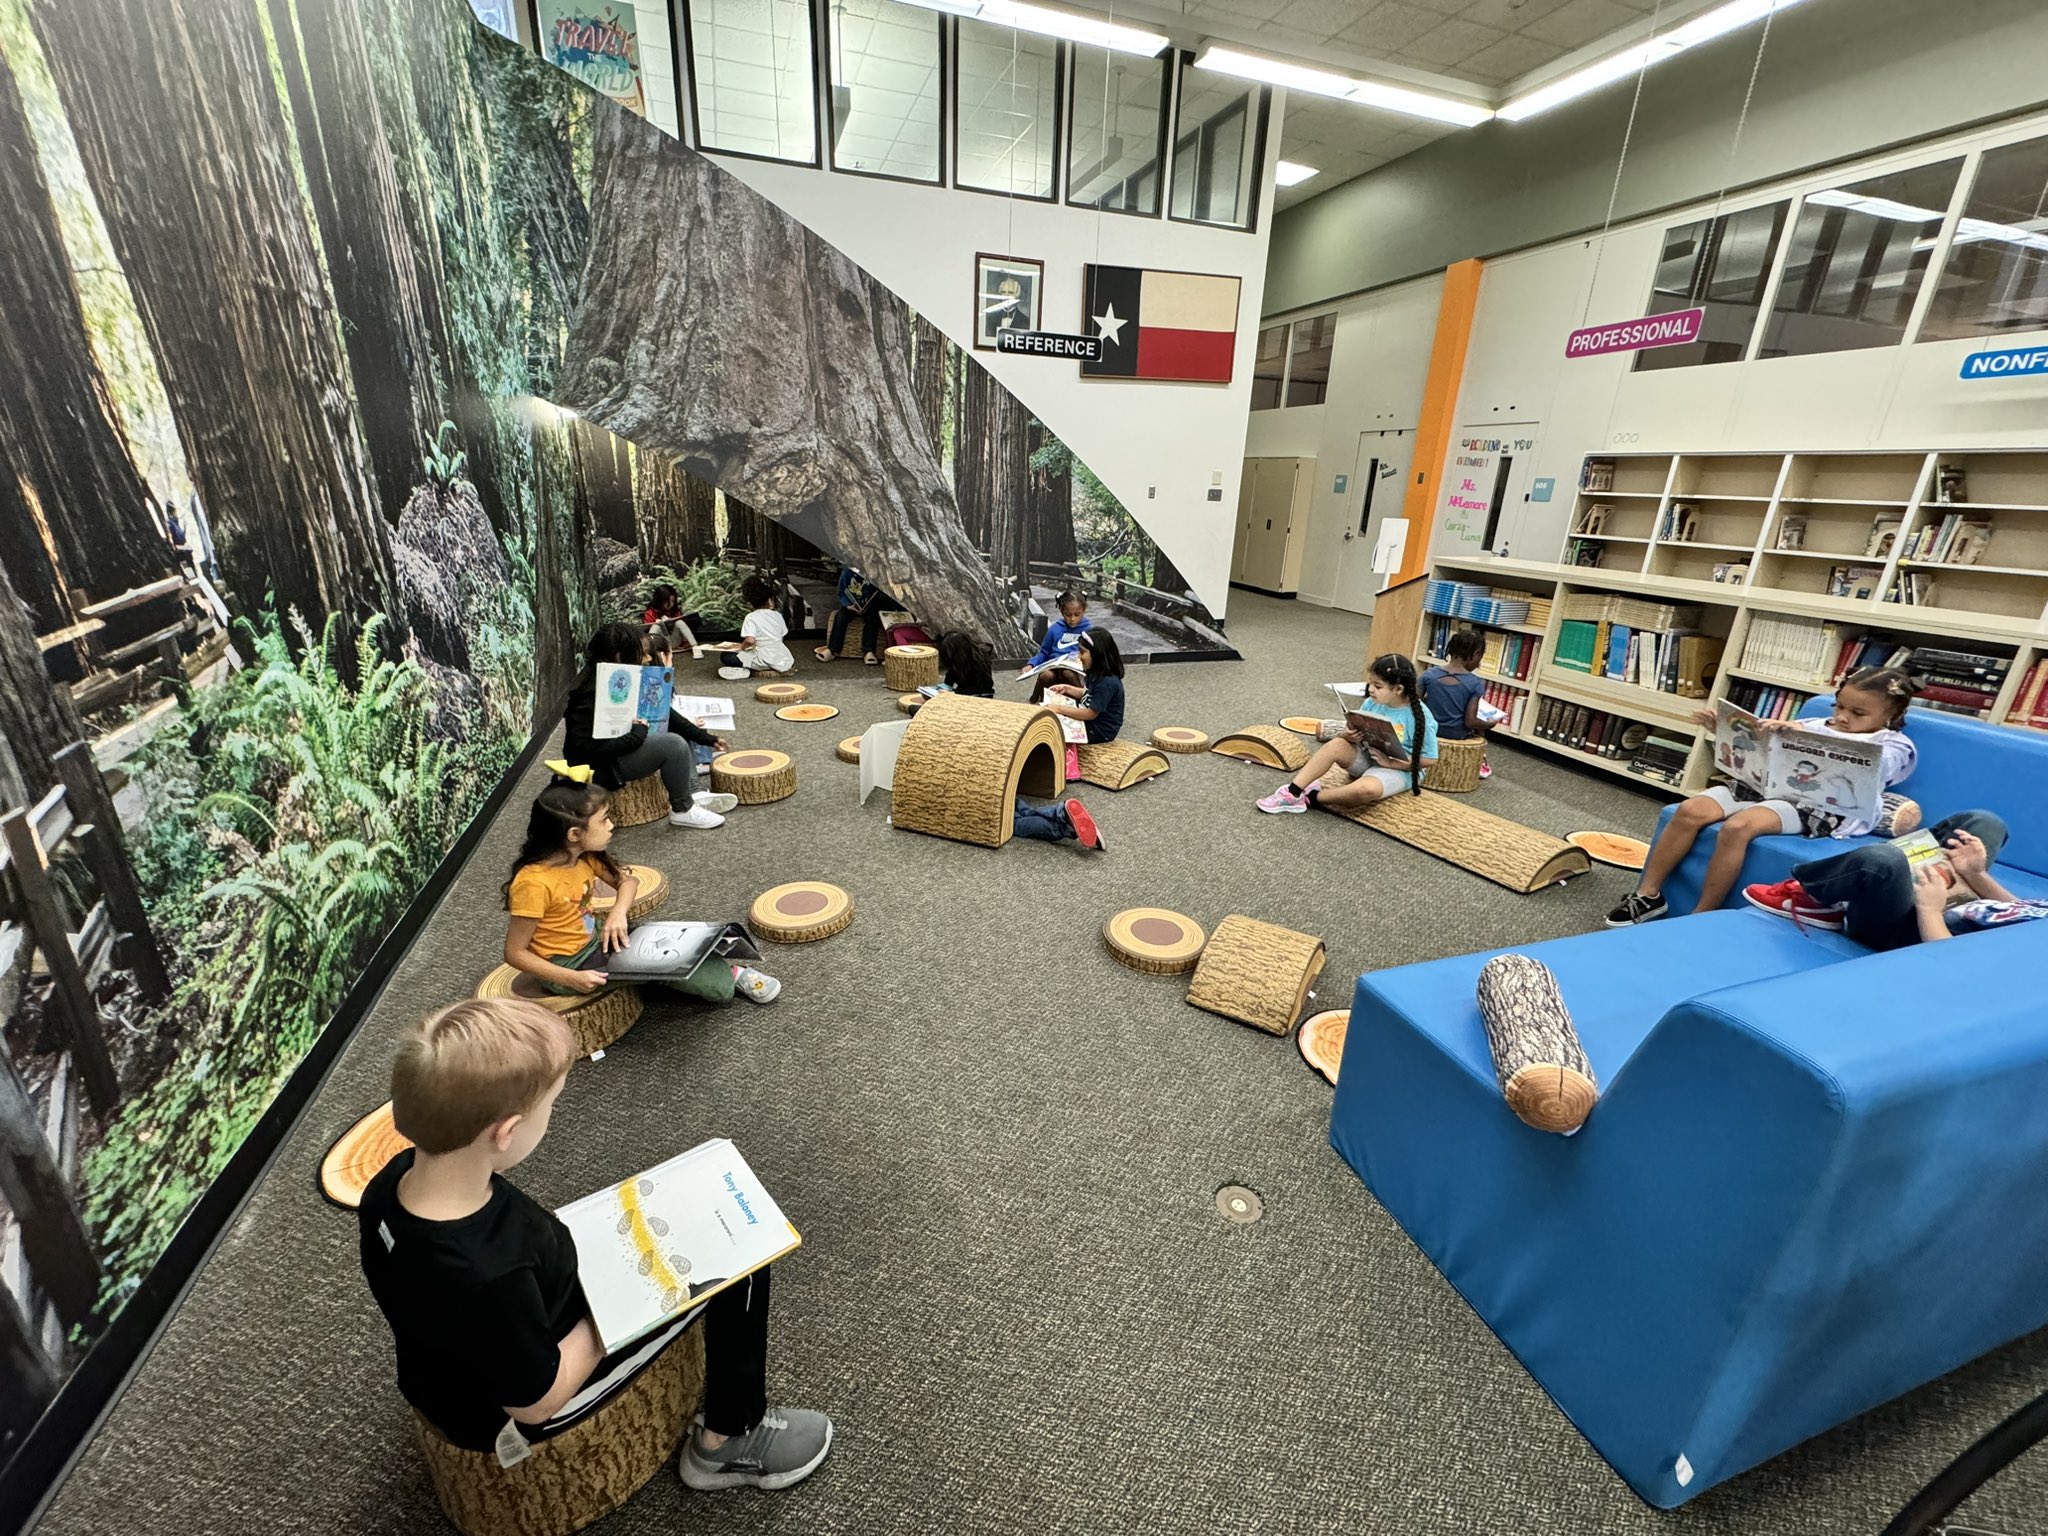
[1284, 801]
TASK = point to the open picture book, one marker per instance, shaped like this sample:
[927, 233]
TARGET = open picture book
[676, 951]
[1376, 732]
[1832, 776]
[626, 695]
[654, 1245]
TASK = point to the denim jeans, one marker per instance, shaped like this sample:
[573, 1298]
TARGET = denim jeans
[665, 753]
[870, 629]
[1047, 822]
[1876, 883]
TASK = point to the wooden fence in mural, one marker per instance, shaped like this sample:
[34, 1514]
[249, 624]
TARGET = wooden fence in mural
[70, 915]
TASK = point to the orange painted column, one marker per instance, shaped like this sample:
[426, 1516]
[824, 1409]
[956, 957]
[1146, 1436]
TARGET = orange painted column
[1439, 415]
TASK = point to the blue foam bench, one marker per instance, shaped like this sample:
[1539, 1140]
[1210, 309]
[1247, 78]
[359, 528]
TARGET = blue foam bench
[1964, 765]
[1791, 1203]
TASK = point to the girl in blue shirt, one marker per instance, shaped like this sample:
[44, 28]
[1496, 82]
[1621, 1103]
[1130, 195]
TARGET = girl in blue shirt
[1063, 636]
[1394, 694]
[1099, 702]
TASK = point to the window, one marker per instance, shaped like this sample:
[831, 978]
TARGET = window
[1854, 265]
[1008, 110]
[1720, 265]
[1118, 131]
[623, 49]
[753, 78]
[1269, 368]
[1997, 273]
[1215, 148]
[885, 88]
[1308, 361]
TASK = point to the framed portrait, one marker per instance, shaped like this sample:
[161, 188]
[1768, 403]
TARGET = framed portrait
[1007, 295]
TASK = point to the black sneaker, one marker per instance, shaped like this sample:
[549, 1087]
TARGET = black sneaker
[1637, 908]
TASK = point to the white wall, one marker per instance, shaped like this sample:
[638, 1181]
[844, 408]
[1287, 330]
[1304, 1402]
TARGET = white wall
[1159, 447]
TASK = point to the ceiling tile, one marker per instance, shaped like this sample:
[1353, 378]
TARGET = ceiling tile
[1444, 7]
[1579, 22]
[1509, 15]
[1509, 57]
[1250, 12]
[1389, 27]
[1325, 18]
[1451, 41]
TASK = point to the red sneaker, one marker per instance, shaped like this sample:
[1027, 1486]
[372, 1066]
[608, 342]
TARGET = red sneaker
[1788, 898]
[1083, 825]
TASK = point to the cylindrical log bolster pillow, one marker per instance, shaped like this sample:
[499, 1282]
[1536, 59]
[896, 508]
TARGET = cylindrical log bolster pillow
[1900, 816]
[1542, 1068]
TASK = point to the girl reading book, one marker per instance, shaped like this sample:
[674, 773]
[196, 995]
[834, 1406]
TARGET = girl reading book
[615, 761]
[1388, 743]
[555, 937]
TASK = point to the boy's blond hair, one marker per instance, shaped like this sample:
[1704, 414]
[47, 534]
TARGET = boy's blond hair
[472, 1065]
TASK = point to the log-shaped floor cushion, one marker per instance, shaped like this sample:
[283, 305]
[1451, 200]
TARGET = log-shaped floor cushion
[805, 712]
[1120, 764]
[1542, 1068]
[1267, 744]
[652, 893]
[359, 1155]
[1503, 851]
[781, 693]
[800, 912]
[1301, 725]
[598, 1018]
[1456, 769]
[964, 762]
[907, 667]
[1154, 940]
[1321, 1040]
[1611, 848]
[848, 751]
[911, 703]
[639, 802]
[1257, 973]
[754, 774]
[581, 1475]
[1180, 738]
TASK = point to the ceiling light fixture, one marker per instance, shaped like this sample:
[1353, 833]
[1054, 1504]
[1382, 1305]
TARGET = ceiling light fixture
[1069, 26]
[1291, 173]
[1322, 82]
[1718, 22]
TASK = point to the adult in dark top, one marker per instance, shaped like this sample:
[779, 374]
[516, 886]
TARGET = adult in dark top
[616, 761]
[1100, 703]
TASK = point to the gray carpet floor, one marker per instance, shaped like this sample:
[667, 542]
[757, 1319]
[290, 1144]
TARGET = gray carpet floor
[1014, 1294]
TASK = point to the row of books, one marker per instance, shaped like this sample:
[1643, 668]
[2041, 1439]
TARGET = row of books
[1958, 539]
[1512, 702]
[1508, 653]
[2030, 705]
[1469, 600]
[1635, 612]
[1913, 588]
[1959, 681]
[1767, 701]
[1676, 661]
[1680, 523]
[1801, 651]
[1651, 753]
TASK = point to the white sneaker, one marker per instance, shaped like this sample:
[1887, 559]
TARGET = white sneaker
[696, 816]
[733, 674]
[711, 800]
[756, 986]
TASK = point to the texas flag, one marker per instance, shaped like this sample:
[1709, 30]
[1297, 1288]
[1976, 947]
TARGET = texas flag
[1161, 325]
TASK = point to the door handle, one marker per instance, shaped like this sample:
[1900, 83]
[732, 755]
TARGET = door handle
[1269, 525]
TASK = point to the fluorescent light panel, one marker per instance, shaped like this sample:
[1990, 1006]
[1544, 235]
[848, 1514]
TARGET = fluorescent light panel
[1290, 173]
[1069, 26]
[1322, 82]
[1718, 22]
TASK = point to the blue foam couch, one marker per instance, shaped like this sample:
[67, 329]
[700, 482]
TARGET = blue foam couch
[1812, 1180]
[1964, 765]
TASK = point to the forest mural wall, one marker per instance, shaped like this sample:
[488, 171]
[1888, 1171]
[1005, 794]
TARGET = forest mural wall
[353, 364]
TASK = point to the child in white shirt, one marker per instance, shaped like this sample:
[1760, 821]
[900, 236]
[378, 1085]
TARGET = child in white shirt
[762, 634]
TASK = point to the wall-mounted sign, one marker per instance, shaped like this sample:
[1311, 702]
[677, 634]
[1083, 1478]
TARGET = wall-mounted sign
[1672, 330]
[1337, 488]
[2005, 362]
[1542, 490]
[1179, 326]
[598, 43]
[1086, 349]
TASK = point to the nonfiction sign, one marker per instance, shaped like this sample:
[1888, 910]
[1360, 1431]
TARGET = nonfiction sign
[1086, 349]
[1672, 330]
[2005, 362]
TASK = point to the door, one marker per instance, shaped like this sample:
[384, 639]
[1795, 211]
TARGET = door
[1480, 506]
[1265, 548]
[1379, 487]
[1246, 500]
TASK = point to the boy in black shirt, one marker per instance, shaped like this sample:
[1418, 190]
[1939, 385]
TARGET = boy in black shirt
[495, 1344]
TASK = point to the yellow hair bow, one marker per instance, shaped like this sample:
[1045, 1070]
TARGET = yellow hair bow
[561, 768]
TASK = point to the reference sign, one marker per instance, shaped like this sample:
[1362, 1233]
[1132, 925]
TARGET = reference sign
[1085, 349]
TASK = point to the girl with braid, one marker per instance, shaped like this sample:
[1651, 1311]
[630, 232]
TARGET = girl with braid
[1388, 744]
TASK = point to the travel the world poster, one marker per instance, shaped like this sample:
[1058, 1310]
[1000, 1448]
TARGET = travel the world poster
[597, 43]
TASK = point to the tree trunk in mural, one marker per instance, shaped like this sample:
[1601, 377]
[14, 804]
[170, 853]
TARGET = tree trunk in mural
[1051, 535]
[183, 137]
[605, 467]
[713, 327]
[745, 528]
[354, 192]
[1166, 575]
[562, 586]
[677, 515]
[36, 718]
[970, 454]
[75, 523]
[928, 380]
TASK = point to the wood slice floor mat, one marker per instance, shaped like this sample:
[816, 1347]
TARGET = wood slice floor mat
[598, 1018]
[1267, 745]
[1302, 725]
[358, 1156]
[1321, 1040]
[848, 751]
[1154, 940]
[800, 912]
[911, 703]
[1611, 848]
[756, 775]
[652, 893]
[1180, 738]
[781, 693]
[805, 712]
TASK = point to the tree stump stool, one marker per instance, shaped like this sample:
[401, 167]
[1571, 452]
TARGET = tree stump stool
[1154, 940]
[1503, 851]
[806, 712]
[1257, 973]
[359, 1155]
[965, 761]
[598, 1018]
[652, 893]
[1180, 739]
[1321, 1040]
[909, 667]
[1456, 769]
[1542, 1068]
[800, 912]
[911, 703]
[1120, 764]
[1268, 745]
[640, 802]
[781, 693]
[755, 776]
[588, 1470]
[848, 751]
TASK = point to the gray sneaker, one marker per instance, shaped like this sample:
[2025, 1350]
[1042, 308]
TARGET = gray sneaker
[783, 1449]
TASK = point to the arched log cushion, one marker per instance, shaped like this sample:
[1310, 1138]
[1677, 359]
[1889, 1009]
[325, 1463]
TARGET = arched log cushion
[1257, 973]
[1503, 851]
[965, 761]
[1120, 764]
[1271, 745]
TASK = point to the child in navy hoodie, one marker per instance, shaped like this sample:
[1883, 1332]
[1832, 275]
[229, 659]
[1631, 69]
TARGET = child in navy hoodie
[1063, 637]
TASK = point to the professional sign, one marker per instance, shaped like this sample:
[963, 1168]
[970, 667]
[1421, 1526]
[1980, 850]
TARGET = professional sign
[1672, 330]
[1087, 349]
[2005, 362]
[597, 43]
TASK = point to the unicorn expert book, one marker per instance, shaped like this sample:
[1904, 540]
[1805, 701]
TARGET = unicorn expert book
[1832, 776]
[652, 1246]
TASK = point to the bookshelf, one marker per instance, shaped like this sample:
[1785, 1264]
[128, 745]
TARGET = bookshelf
[1792, 565]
